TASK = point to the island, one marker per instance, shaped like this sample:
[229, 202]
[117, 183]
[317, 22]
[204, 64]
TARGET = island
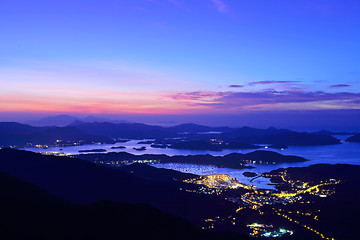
[159, 146]
[145, 142]
[143, 148]
[92, 150]
[214, 145]
[249, 174]
[233, 160]
[118, 147]
[122, 140]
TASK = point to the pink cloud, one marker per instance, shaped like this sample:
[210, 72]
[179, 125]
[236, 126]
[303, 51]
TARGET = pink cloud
[180, 102]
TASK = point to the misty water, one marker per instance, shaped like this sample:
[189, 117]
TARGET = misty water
[346, 153]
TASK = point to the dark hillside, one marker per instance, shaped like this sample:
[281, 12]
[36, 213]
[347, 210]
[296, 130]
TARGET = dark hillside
[29, 212]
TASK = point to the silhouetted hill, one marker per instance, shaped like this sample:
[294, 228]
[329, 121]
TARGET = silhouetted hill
[244, 135]
[355, 138]
[318, 172]
[157, 174]
[29, 212]
[64, 120]
[81, 181]
[19, 129]
[13, 187]
[208, 145]
[196, 145]
[195, 128]
[15, 134]
[291, 138]
[234, 160]
[67, 135]
[247, 132]
[125, 130]
[338, 214]
[58, 120]
[325, 132]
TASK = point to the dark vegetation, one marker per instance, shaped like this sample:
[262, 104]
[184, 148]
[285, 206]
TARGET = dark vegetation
[29, 212]
[339, 213]
[118, 147]
[83, 182]
[250, 174]
[233, 160]
[48, 197]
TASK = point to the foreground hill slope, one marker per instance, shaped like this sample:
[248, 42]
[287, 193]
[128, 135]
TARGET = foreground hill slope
[29, 212]
[338, 214]
[83, 182]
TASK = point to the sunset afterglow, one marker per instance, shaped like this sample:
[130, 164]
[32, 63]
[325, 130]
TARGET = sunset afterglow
[178, 57]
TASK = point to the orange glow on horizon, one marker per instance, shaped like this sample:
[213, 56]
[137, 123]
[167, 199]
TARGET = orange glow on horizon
[112, 103]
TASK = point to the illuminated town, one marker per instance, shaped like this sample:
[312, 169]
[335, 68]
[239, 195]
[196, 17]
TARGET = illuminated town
[219, 181]
[259, 200]
[263, 230]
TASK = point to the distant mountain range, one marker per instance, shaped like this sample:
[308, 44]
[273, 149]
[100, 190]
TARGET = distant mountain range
[16, 134]
[64, 120]
[78, 132]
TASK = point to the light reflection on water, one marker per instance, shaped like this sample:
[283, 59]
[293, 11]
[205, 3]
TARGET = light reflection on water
[348, 153]
[206, 170]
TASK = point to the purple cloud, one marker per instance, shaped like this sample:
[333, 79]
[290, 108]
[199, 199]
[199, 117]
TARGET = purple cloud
[286, 97]
[258, 100]
[339, 86]
[199, 95]
[236, 86]
[271, 82]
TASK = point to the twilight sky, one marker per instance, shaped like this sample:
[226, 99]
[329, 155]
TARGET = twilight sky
[210, 57]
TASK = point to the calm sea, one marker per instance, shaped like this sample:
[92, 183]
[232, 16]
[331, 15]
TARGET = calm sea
[348, 153]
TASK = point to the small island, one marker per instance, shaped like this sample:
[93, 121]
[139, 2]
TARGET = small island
[212, 146]
[122, 140]
[93, 150]
[143, 148]
[145, 142]
[249, 174]
[159, 145]
[118, 147]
